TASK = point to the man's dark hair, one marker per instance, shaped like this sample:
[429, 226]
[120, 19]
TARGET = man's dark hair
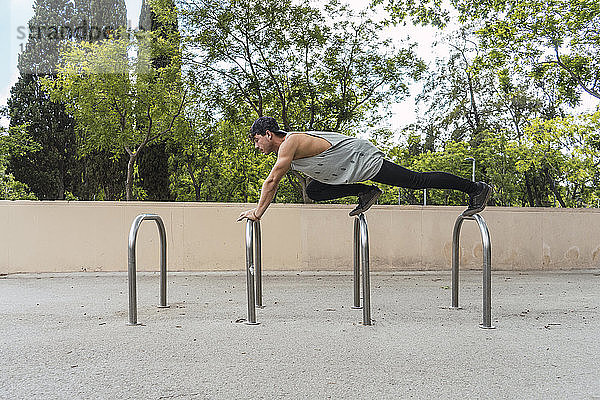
[264, 124]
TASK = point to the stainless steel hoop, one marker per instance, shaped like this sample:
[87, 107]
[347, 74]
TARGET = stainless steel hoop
[361, 252]
[253, 269]
[135, 226]
[487, 266]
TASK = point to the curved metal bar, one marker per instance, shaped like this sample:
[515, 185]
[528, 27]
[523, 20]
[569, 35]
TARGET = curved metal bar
[364, 250]
[254, 268]
[487, 272]
[250, 271]
[487, 266]
[456, 259]
[131, 267]
[258, 263]
[356, 259]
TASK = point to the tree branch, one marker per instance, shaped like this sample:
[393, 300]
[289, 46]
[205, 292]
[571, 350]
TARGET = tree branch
[573, 75]
[175, 116]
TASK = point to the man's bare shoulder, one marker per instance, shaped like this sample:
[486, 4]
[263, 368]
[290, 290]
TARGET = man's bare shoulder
[293, 140]
[298, 137]
[305, 145]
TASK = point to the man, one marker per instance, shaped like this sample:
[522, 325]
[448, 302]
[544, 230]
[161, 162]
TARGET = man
[337, 163]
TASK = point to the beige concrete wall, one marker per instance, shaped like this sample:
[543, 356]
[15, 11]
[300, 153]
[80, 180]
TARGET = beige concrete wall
[92, 236]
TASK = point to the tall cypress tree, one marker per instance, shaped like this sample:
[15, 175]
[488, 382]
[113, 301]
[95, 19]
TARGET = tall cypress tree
[153, 165]
[46, 171]
[100, 18]
[54, 170]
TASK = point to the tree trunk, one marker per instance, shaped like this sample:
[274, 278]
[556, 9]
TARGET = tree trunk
[304, 181]
[557, 194]
[195, 183]
[61, 187]
[528, 190]
[129, 184]
[300, 185]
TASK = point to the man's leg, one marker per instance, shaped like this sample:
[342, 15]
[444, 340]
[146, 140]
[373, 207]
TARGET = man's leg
[320, 191]
[395, 175]
[367, 195]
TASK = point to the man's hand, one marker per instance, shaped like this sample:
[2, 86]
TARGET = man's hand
[250, 214]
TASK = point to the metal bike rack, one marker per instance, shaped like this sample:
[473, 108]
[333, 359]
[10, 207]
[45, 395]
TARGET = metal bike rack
[253, 270]
[487, 267]
[361, 252]
[135, 226]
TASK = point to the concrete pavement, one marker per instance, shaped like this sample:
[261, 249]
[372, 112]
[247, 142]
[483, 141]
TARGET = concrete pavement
[64, 336]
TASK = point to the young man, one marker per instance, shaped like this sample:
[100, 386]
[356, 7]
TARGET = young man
[337, 163]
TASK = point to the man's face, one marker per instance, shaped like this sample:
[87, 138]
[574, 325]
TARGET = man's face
[264, 142]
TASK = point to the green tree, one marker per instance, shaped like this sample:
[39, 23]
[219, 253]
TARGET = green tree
[567, 152]
[153, 166]
[526, 63]
[55, 169]
[459, 97]
[311, 69]
[549, 39]
[121, 105]
[98, 20]
[15, 143]
[48, 172]
[547, 36]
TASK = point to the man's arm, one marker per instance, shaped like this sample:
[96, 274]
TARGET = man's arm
[269, 187]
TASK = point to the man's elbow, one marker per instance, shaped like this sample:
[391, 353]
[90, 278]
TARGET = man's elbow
[270, 182]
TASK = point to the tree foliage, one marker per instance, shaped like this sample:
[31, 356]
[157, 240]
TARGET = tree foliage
[18, 142]
[312, 69]
[48, 168]
[560, 37]
[153, 164]
[547, 39]
[122, 104]
[56, 170]
[165, 114]
[507, 72]
[49, 172]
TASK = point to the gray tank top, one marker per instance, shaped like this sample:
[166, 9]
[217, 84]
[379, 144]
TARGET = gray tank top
[348, 160]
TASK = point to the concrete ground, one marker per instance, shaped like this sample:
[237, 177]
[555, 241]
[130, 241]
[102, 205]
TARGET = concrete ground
[64, 336]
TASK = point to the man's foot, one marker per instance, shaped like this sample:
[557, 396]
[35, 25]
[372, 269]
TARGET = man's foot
[478, 200]
[366, 200]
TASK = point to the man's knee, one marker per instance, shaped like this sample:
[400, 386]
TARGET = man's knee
[314, 192]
